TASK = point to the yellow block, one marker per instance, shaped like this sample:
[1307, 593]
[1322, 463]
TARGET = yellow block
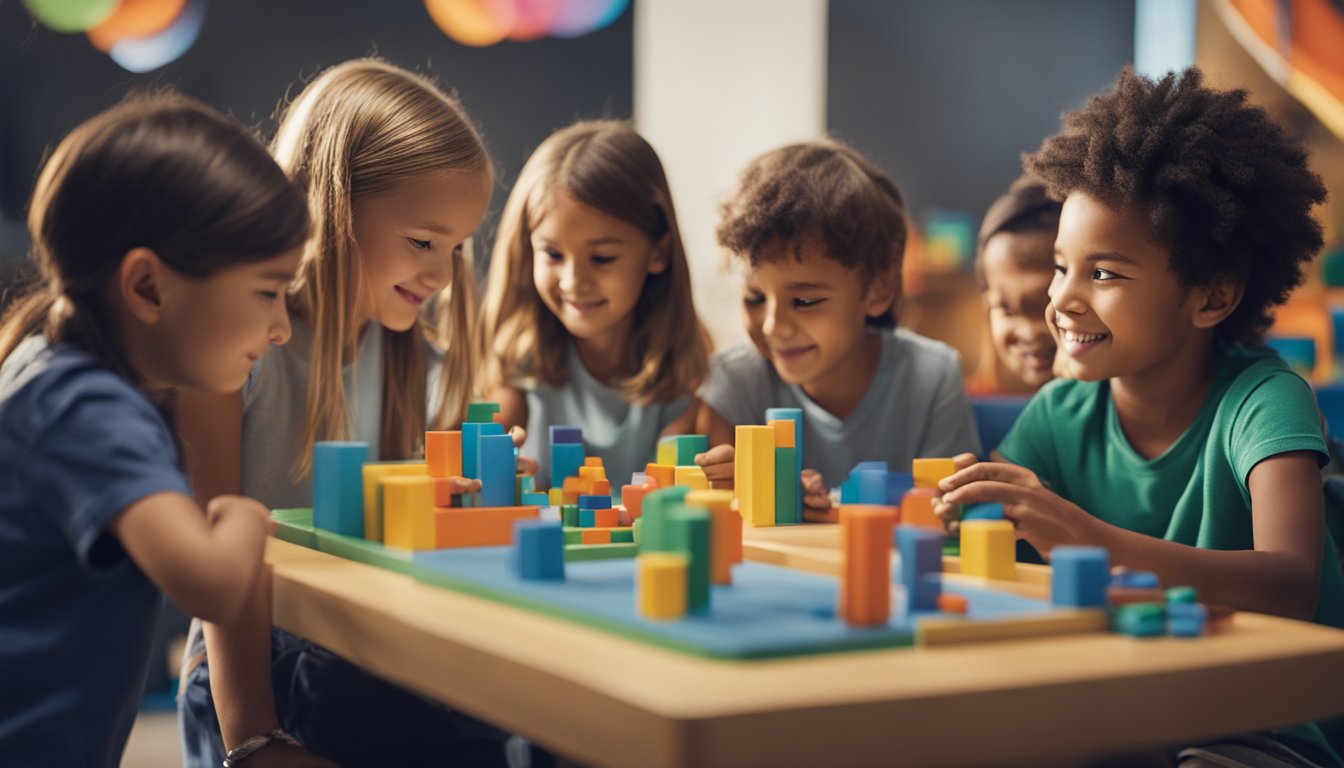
[408, 512]
[785, 433]
[928, 472]
[661, 584]
[667, 452]
[373, 475]
[987, 549]
[754, 474]
[692, 477]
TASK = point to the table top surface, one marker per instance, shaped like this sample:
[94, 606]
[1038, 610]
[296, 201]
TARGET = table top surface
[605, 700]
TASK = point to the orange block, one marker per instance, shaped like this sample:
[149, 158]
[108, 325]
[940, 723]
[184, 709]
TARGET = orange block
[784, 432]
[443, 492]
[477, 526]
[601, 488]
[632, 498]
[592, 461]
[665, 474]
[725, 532]
[589, 475]
[865, 576]
[950, 603]
[606, 518]
[917, 509]
[595, 536]
[572, 489]
[443, 454]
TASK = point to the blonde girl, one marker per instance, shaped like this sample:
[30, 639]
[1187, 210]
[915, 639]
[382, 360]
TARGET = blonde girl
[588, 313]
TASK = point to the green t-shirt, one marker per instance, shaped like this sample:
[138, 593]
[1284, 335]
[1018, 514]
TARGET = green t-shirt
[1194, 493]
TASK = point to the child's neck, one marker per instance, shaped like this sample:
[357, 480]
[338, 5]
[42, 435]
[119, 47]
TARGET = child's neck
[1156, 407]
[604, 356]
[840, 390]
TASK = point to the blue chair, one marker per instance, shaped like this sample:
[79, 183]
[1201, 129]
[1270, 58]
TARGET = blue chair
[1330, 397]
[994, 416]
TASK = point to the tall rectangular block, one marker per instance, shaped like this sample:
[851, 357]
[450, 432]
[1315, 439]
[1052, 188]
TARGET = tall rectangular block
[921, 553]
[471, 433]
[566, 459]
[371, 477]
[796, 416]
[725, 536]
[865, 576]
[658, 505]
[408, 512]
[754, 474]
[689, 532]
[443, 453]
[788, 486]
[338, 493]
[496, 467]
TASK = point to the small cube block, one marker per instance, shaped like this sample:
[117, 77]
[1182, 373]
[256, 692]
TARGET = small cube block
[538, 550]
[1079, 576]
[928, 472]
[988, 549]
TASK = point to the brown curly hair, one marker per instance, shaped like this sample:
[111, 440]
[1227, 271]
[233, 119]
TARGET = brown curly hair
[1224, 187]
[822, 189]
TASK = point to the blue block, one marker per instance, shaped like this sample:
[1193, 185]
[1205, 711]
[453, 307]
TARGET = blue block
[864, 466]
[566, 435]
[566, 458]
[587, 501]
[338, 487]
[587, 519]
[1135, 579]
[535, 500]
[538, 550]
[496, 470]
[1079, 576]
[1186, 619]
[897, 484]
[796, 416]
[921, 553]
[471, 432]
[987, 511]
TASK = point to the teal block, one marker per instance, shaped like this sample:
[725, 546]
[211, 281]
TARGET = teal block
[569, 515]
[471, 435]
[623, 536]
[688, 531]
[535, 499]
[688, 446]
[657, 506]
[796, 416]
[338, 486]
[788, 486]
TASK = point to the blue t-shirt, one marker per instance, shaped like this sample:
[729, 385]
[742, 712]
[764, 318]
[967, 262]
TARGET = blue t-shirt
[78, 444]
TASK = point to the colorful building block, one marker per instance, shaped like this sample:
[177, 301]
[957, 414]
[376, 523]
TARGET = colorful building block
[477, 526]
[898, 483]
[569, 515]
[371, 476]
[865, 486]
[534, 500]
[595, 536]
[471, 434]
[556, 496]
[680, 450]
[660, 584]
[865, 576]
[917, 509]
[951, 603]
[1079, 576]
[561, 435]
[632, 498]
[788, 486]
[689, 532]
[796, 416]
[988, 549]
[496, 467]
[725, 538]
[591, 501]
[538, 550]
[921, 553]
[987, 511]
[593, 461]
[1140, 620]
[1181, 595]
[1186, 619]
[566, 459]
[338, 495]
[481, 413]
[754, 474]
[658, 504]
[408, 512]
[692, 477]
[664, 474]
[606, 518]
[928, 472]
[443, 453]
[587, 518]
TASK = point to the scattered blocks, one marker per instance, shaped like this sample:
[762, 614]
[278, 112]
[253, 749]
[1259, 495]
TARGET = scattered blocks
[660, 584]
[443, 454]
[988, 549]
[928, 472]
[754, 474]
[865, 576]
[725, 537]
[338, 496]
[1140, 620]
[921, 553]
[538, 550]
[1079, 576]
[1186, 619]
[408, 512]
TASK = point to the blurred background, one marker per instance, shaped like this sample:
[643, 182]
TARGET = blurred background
[945, 96]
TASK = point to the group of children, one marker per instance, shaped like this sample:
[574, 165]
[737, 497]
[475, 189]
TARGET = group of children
[209, 305]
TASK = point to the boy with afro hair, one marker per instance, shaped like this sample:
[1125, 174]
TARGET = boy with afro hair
[1177, 442]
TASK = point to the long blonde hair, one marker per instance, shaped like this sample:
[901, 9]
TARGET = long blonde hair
[357, 130]
[605, 165]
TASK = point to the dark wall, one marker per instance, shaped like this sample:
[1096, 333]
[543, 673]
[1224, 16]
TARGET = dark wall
[251, 51]
[946, 95]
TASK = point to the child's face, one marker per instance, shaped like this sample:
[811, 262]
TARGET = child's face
[809, 318]
[406, 238]
[1016, 292]
[1118, 308]
[213, 329]
[589, 268]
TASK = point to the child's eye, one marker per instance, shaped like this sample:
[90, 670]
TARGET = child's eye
[598, 259]
[1061, 269]
[459, 250]
[1102, 275]
[420, 245]
[551, 255]
[753, 299]
[805, 303]
[268, 295]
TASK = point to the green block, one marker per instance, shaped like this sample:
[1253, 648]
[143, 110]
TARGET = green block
[295, 526]
[787, 485]
[1182, 595]
[636, 528]
[688, 446]
[569, 515]
[655, 509]
[572, 535]
[481, 413]
[584, 552]
[623, 535]
[688, 531]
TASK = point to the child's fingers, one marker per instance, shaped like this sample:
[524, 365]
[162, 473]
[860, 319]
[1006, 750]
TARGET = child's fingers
[964, 460]
[465, 485]
[519, 436]
[715, 472]
[813, 482]
[719, 454]
[818, 501]
[527, 466]
[984, 491]
[993, 471]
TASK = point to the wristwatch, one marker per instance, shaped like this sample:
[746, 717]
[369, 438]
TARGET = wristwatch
[254, 744]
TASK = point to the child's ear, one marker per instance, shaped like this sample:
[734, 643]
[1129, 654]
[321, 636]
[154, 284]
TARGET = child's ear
[882, 293]
[662, 255]
[1214, 302]
[138, 283]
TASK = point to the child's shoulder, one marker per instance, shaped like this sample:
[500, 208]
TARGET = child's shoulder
[909, 345]
[740, 361]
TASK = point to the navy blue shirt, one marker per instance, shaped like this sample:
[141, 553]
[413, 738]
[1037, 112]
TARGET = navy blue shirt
[78, 444]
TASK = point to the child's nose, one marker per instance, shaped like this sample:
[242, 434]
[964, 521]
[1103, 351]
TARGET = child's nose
[280, 329]
[775, 324]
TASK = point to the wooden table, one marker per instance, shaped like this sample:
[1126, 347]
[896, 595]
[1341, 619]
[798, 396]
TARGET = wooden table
[607, 701]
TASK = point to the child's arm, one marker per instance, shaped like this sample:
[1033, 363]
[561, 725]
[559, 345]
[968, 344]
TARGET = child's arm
[205, 564]
[211, 428]
[718, 460]
[1280, 576]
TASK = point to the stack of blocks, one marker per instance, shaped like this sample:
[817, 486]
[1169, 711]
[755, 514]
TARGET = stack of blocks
[689, 539]
[767, 469]
[870, 482]
[865, 577]
[674, 463]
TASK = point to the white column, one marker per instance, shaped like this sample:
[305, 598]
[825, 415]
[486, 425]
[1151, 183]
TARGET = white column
[716, 83]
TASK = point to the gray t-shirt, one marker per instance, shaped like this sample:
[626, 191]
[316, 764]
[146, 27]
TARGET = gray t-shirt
[914, 408]
[274, 408]
[624, 434]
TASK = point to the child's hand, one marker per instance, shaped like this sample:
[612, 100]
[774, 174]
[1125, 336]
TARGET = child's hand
[222, 506]
[718, 465]
[1040, 516]
[463, 485]
[525, 466]
[815, 494]
[287, 756]
[950, 514]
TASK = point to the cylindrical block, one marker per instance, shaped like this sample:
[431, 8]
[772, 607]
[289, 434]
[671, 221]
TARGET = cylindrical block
[661, 584]
[725, 538]
[338, 487]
